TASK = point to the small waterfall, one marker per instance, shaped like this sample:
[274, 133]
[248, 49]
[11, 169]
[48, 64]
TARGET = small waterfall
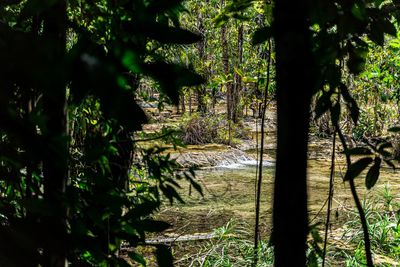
[243, 163]
[232, 158]
[238, 159]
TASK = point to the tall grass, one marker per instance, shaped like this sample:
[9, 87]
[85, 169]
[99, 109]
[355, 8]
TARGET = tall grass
[383, 218]
[233, 247]
[232, 244]
[230, 247]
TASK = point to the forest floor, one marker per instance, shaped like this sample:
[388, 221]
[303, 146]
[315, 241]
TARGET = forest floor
[229, 191]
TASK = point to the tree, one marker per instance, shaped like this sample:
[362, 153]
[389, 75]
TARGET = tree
[201, 47]
[67, 195]
[295, 72]
[237, 86]
[315, 29]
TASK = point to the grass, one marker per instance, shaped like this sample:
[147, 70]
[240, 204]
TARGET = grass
[383, 216]
[233, 246]
[346, 244]
[229, 248]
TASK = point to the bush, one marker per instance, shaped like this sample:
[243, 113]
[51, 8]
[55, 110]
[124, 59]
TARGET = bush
[214, 128]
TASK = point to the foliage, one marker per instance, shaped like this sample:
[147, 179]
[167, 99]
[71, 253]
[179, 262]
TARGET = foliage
[229, 248]
[211, 15]
[71, 77]
[383, 224]
[376, 90]
[197, 129]
[67, 192]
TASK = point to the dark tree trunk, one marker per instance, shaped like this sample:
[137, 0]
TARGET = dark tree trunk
[225, 63]
[294, 88]
[55, 157]
[183, 108]
[237, 89]
[201, 104]
[190, 102]
[200, 90]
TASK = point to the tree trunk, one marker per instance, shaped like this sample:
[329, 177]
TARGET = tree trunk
[55, 166]
[190, 102]
[294, 86]
[183, 108]
[200, 90]
[237, 78]
[225, 62]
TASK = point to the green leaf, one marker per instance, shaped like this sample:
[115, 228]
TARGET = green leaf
[373, 173]
[358, 151]
[386, 26]
[350, 103]
[10, 2]
[323, 104]
[34, 7]
[170, 193]
[159, 6]
[172, 77]
[239, 72]
[143, 209]
[384, 145]
[394, 129]
[356, 168]
[261, 35]
[171, 35]
[164, 256]
[390, 163]
[149, 225]
[137, 257]
[359, 11]
[196, 186]
[357, 50]
[335, 113]
[131, 61]
[376, 35]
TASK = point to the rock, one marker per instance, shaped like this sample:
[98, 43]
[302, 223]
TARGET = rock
[211, 158]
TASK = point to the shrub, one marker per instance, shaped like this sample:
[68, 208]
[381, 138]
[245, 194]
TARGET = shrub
[198, 129]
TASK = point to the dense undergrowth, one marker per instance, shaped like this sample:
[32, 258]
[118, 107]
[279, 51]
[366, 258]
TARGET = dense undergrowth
[383, 216]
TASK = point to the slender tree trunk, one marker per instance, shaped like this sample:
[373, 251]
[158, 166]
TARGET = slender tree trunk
[237, 78]
[294, 86]
[225, 62]
[260, 163]
[55, 159]
[200, 90]
[190, 102]
[201, 105]
[183, 108]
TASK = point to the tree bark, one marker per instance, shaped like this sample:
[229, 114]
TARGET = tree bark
[294, 68]
[200, 90]
[236, 113]
[55, 166]
[225, 63]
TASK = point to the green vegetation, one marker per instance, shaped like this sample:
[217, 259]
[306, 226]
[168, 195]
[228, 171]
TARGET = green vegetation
[382, 214]
[71, 70]
[197, 129]
[231, 245]
[228, 248]
[81, 175]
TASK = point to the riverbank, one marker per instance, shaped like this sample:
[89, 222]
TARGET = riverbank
[227, 175]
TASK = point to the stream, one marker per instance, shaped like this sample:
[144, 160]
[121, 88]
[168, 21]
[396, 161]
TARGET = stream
[229, 194]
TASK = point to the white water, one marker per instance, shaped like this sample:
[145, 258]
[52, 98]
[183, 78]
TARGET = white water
[241, 163]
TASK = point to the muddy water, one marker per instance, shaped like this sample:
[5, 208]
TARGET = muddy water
[229, 193]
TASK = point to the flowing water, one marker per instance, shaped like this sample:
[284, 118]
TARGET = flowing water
[229, 193]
